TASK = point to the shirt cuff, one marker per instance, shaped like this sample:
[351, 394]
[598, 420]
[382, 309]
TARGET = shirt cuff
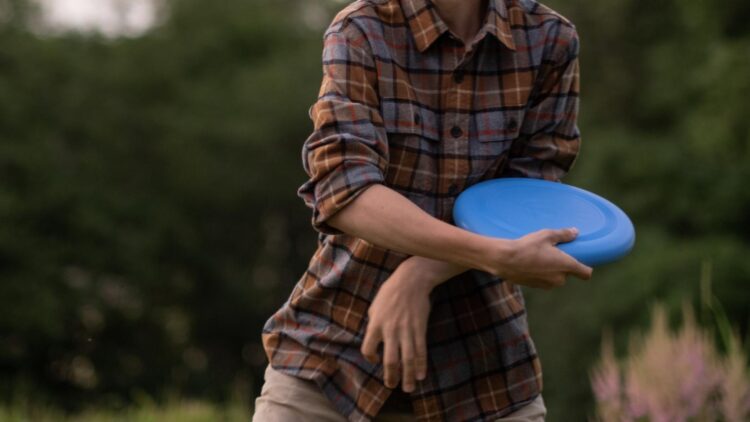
[336, 190]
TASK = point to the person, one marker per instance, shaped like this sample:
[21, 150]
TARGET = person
[419, 100]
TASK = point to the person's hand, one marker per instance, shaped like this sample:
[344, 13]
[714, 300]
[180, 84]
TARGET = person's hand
[398, 317]
[535, 261]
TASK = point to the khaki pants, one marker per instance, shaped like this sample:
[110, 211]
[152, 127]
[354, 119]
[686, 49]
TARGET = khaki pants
[285, 398]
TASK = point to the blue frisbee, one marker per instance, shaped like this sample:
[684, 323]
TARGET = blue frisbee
[511, 208]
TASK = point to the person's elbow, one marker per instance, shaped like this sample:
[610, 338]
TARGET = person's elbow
[350, 217]
[340, 220]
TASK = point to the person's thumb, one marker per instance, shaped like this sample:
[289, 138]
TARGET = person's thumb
[564, 235]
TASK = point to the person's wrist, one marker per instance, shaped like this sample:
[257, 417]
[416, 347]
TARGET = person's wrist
[499, 253]
[420, 274]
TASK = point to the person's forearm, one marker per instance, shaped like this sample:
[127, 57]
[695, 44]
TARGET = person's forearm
[431, 271]
[386, 218]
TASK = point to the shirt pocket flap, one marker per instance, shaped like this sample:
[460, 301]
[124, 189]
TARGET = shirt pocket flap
[499, 125]
[407, 118]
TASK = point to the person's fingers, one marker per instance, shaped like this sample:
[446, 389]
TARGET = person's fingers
[390, 359]
[373, 337]
[582, 271]
[555, 280]
[577, 269]
[407, 360]
[420, 353]
[562, 235]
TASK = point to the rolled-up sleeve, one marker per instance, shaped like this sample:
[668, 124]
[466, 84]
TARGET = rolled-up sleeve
[550, 141]
[348, 148]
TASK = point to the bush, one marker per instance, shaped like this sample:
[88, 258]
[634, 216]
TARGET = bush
[672, 377]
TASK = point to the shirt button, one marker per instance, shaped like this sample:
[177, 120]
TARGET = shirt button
[512, 124]
[417, 118]
[458, 76]
[456, 132]
[452, 189]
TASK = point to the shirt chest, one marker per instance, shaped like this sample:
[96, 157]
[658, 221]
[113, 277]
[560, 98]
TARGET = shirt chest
[451, 114]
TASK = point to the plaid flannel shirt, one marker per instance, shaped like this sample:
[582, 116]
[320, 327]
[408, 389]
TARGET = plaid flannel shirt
[405, 104]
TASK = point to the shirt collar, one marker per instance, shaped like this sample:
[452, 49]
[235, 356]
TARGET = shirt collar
[426, 25]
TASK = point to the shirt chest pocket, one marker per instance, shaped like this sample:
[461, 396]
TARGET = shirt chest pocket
[414, 146]
[425, 153]
[494, 134]
[498, 125]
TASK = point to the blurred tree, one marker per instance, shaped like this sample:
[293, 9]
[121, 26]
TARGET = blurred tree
[147, 194]
[663, 97]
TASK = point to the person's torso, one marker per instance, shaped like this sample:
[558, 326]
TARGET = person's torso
[451, 120]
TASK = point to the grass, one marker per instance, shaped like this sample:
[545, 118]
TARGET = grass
[176, 411]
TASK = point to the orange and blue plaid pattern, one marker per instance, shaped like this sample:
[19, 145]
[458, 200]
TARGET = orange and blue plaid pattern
[405, 104]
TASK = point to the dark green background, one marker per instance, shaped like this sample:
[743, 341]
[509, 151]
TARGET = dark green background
[149, 222]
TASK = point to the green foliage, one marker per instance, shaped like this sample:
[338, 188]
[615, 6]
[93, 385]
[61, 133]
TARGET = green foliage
[664, 136]
[147, 197]
[173, 411]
